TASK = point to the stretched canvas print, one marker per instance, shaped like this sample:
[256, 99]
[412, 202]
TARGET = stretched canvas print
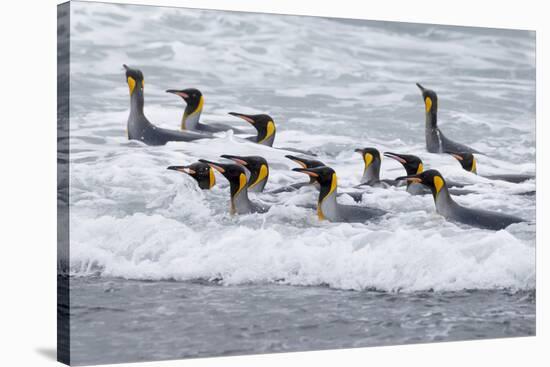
[236, 183]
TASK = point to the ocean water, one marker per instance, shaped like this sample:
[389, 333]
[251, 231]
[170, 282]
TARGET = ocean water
[159, 269]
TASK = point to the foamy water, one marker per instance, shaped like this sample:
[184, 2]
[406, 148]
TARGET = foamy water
[331, 86]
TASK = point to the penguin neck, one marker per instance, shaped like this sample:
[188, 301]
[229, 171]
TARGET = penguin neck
[240, 203]
[444, 203]
[204, 182]
[431, 118]
[266, 135]
[371, 174]
[259, 179]
[327, 205]
[191, 116]
[136, 103]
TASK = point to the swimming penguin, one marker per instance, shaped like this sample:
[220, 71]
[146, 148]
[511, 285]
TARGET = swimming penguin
[436, 142]
[258, 168]
[139, 127]
[201, 172]
[469, 163]
[235, 174]
[266, 130]
[371, 172]
[413, 165]
[304, 163]
[263, 124]
[454, 212]
[191, 116]
[327, 206]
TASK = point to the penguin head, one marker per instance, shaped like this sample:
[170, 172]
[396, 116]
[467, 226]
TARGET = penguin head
[192, 96]
[430, 99]
[371, 157]
[305, 162]
[134, 78]
[234, 173]
[412, 164]
[263, 123]
[325, 176]
[430, 178]
[466, 160]
[258, 167]
[201, 172]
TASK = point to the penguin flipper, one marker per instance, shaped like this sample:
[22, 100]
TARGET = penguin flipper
[216, 128]
[511, 178]
[259, 208]
[447, 145]
[460, 192]
[359, 214]
[174, 135]
[289, 188]
[483, 218]
[356, 196]
[451, 183]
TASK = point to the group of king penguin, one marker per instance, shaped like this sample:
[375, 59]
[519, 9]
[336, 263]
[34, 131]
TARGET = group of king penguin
[249, 174]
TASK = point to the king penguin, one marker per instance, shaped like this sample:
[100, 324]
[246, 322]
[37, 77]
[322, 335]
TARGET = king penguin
[201, 172]
[469, 163]
[327, 206]
[139, 127]
[257, 167]
[452, 211]
[371, 172]
[413, 165]
[264, 126]
[239, 201]
[266, 130]
[191, 116]
[436, 142]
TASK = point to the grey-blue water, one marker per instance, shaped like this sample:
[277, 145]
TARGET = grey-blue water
[160, 269]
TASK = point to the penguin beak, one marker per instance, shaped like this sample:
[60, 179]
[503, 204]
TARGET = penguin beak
[247, 118]
[306, 171]
[184, 169]
[235, 159]
[360, 151]
[220, 167]
[397, 157]
[179, 93]
[125, 67]
[297, 160]
[413, 178]
[420, 87]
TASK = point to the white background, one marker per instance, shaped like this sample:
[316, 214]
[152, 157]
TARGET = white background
[28, 181]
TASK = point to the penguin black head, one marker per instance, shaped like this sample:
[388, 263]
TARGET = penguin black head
[370, 156]
[134, 77]
[234, 173]
[258, 167]
[412, 164]
[325, 176]
[430, 178]
[430, 99]
[201, 172]
[466, 160]
[263, 123]
[192, 96]
[305, 162]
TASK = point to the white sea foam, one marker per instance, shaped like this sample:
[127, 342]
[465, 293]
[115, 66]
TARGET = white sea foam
[331, 86]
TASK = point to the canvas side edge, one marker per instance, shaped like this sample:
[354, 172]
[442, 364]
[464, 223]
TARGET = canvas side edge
[63, 130]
